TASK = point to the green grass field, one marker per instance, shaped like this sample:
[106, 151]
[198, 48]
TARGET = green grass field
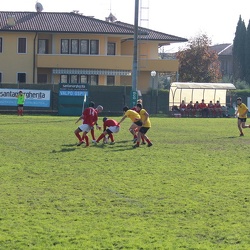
[190, 190]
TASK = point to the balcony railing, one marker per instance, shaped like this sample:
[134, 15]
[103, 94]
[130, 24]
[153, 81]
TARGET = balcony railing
[104, 62]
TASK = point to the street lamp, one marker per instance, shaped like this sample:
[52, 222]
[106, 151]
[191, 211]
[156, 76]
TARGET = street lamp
[153, 74]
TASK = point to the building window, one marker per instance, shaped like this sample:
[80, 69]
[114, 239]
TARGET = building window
[94, 47]
[63, 78]
[110, 80]
[42, 78]
[21, 77]
[90, 79]
[74, 46]
[43, 46]
[84, 47]
[83, 79]
[93, 80]
[111, 49]
[73, 78]
[1, 44]
[21, 45]
[77, 46]
[65, 46]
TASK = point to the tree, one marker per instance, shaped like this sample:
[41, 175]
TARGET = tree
[239, 51]
[198, 63]
[247, 54]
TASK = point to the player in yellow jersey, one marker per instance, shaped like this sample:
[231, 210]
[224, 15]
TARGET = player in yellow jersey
[134, 117]
[241, 111]
[146, 125]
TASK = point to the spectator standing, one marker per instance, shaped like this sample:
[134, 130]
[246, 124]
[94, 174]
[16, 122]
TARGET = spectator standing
[20, 103]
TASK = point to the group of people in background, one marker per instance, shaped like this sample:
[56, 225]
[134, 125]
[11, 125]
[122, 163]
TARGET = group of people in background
[201, 109]
[139, 127]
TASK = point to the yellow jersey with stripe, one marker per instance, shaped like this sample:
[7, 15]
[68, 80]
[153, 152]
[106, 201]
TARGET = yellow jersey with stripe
[145, 118]
[133, 115]
[242, 108]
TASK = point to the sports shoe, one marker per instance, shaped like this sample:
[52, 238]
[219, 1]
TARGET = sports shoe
[134, 140]
[143, 143]
[135, 146]
[80, 143]
[150, 144]
[94, 141]
[241, 134]
[112, 143]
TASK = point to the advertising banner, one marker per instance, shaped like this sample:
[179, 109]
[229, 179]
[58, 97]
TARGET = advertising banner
[73, 89]
[33, 98]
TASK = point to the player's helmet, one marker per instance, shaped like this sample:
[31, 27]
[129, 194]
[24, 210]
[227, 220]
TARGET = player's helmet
[104, 119]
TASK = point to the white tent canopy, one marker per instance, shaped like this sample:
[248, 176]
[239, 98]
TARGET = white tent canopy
[193, 91]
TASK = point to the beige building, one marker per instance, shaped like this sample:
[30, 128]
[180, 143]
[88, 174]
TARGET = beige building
[43, 47]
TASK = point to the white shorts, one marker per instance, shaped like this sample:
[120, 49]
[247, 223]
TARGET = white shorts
[85, 128]
[114, 129]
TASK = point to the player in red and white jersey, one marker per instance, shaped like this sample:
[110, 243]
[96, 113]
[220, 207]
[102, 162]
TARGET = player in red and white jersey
[99, 109]
[110, 126]
[89, 118]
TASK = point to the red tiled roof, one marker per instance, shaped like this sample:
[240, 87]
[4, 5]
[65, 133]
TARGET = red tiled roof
[59, 22]
[153, 35]
[76, 23]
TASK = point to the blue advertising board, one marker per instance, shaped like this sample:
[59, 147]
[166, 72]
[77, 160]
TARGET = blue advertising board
[33, 98]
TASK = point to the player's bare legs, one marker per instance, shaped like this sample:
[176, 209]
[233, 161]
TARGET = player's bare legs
[242, 125]
[77, 134]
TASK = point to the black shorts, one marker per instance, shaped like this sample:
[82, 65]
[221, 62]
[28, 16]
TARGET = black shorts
[138, 123]
[108, 131]
[242, 119]
[143, 130]
[20, 105]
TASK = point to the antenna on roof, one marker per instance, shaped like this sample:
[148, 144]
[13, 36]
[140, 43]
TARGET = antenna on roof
[39, 7]
[111, 18]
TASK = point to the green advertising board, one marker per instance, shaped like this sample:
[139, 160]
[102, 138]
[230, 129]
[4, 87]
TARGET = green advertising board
[72, 98]
[133, 98]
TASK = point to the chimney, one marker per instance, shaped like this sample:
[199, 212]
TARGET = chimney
[11, 20]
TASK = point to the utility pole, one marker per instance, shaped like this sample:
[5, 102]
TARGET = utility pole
[134, 94]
